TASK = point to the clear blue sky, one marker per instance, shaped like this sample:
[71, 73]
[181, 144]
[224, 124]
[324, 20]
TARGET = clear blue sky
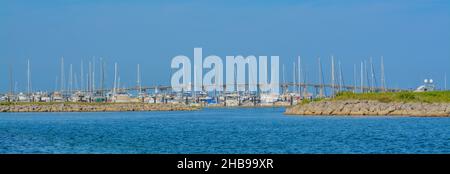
[412, 35]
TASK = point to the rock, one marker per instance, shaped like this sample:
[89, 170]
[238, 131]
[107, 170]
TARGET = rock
[97, 107]
[355, 107]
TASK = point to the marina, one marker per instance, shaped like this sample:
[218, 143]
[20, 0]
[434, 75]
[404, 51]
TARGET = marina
[92, 88]
[224, 86]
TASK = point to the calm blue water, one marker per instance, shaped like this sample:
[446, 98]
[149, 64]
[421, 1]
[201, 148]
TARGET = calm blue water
[219, 131]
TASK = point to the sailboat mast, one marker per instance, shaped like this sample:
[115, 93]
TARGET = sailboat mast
[362, 77]
[305, 80]
[87, 81]
[139, 78]
[11, 92]
[299, 76]
[332, 77]
[294, 76]
[81, 76]
[321, 92]
[102, 76]
[62, 75]
[28, 78]
[341, 78]
[115, 78]
[89, 77]
[367, 74]
[372, 74]
[383, 80]
[93, 75]
[70, 78]
[354, 78]
[75, 81]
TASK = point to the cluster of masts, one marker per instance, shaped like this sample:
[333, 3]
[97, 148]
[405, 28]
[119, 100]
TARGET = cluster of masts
[86, 88]
[368, 81]
[83, 86]
[87, 79]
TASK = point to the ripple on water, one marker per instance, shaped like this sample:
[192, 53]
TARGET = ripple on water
[263, 130]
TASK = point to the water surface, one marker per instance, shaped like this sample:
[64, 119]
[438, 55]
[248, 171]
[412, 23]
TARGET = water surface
[250, 130]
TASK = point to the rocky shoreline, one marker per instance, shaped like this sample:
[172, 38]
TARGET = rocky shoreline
[97, 107]
[370, 108]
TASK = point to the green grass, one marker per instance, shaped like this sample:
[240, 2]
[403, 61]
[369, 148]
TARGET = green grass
[407, 97]
[306, 101]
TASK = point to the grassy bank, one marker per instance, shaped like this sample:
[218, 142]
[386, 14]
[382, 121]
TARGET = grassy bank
[407, 97]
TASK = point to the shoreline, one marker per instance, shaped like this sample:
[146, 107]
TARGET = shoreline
[316, 108]
[92, 107]
[113, 107]
[369, 108]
